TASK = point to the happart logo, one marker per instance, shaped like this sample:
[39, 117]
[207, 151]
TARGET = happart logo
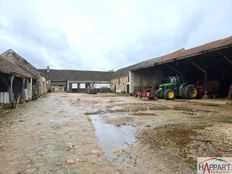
[214, 165]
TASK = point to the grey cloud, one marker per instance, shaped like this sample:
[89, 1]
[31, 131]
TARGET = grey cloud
[107, 35]
[184, 33]
[42, 45]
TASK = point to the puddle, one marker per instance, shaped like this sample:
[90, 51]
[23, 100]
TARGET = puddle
[112, 138]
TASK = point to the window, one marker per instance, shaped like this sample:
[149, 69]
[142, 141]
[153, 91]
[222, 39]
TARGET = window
[82, 85]
[74, 85]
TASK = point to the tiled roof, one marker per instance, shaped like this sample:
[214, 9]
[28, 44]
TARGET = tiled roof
[182, 54]
[151, 62]
[16, 59]
[122, 72]
[76, 75]
[8, 67]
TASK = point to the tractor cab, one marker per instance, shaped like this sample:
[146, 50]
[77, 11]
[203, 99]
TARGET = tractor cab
[178, 80]
[174, 79]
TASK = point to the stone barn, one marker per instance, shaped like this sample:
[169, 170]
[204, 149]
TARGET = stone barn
[20, 81]
[77, 80]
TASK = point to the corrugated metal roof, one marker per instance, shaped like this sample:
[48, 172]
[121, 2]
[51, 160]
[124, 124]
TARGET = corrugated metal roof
[76, 75]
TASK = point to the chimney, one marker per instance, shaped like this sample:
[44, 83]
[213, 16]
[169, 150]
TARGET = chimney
[48, 69]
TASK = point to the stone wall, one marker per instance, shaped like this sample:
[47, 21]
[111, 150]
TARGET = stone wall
[119, 85]
[143, 79]
[43, 86]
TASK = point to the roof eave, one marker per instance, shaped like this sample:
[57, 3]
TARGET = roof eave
[183, 57]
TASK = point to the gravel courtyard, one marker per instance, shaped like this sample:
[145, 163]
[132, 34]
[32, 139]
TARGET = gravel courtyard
[106, 133]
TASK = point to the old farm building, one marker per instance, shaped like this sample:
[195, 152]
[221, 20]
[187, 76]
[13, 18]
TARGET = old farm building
[208, 64]
[20, 81]
[76, 80]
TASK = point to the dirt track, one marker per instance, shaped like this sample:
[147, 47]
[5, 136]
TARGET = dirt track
[105, 133]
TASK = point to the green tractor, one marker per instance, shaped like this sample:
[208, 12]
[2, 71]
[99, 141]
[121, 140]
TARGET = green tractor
[176, 87]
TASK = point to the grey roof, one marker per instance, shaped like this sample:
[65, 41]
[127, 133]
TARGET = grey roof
[60, 83]
[179, 54]
[8, 67]
[182, 54]
[16, 59]
[76, 75]
[122, 72]
[152, 61]
[125, 71]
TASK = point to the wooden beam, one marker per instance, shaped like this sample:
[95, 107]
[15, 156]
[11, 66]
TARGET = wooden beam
[23, 91]
[205, 85]
[200, 68]
[205, 79]
[225, 57]
[178, 72]
[11, 88]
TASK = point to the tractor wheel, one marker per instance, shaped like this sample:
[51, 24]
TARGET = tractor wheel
[190, 92]
[169, 94]
[181, 89]
[158, 94]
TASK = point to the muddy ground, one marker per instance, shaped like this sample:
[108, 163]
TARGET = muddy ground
[106, 133]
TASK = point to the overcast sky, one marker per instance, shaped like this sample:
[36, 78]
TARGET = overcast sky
[108, 34]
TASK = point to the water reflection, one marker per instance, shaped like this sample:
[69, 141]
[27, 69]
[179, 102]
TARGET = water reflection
[110, 137]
